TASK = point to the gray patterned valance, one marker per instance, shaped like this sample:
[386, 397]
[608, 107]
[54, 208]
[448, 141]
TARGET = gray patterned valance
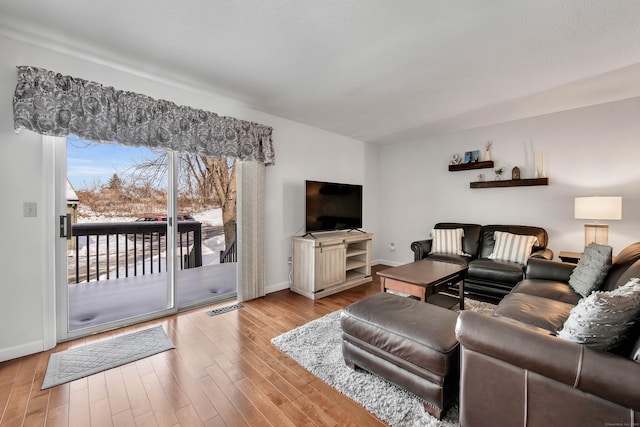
[52, 104]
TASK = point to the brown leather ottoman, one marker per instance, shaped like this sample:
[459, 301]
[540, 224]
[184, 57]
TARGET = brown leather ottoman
[408, 342]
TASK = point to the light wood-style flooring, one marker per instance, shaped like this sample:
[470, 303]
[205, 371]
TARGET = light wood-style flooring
[224, 371]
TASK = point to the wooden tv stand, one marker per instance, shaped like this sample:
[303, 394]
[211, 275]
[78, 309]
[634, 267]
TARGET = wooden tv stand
[327, 263]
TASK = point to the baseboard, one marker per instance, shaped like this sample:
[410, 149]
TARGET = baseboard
[387, 262]
[276, 287]
[21, 350]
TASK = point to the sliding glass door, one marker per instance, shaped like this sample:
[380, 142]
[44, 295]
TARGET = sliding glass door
[116, 237]
[206, 204]
[144, 234]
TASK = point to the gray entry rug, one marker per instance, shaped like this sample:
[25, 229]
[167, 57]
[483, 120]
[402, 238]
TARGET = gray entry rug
[317, 347]
[90, 359]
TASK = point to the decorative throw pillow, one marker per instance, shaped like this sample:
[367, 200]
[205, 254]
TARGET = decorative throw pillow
[447, 241]
[512, 247]
[591, 270]
[602, 319]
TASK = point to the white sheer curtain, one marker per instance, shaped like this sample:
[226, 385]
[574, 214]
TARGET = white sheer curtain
[251, 183]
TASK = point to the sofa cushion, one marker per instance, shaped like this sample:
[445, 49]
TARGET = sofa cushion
[454, 259]
[544, 313]
[495, 271]
[602, 319]
[592, 269]
[471, 238]
[447, 241]
[512, 247]
[488, 240]
[625, 266]
[550, 289]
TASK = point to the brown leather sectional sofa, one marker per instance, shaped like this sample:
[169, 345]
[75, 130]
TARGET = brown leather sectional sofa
[515, 371]
[486, 277]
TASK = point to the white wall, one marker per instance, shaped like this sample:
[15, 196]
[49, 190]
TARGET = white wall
[302, 152]
[588, 151]
[407, 187]
[308, 153]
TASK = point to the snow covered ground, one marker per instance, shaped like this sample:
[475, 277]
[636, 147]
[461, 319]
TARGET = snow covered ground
[211, 246]
[212, 242]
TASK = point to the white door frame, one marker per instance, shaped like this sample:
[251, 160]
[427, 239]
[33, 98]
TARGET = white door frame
[49, 191]
[56, 319]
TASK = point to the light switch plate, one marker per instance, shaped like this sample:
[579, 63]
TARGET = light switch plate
[30, 209]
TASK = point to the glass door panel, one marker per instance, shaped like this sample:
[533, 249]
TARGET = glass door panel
[206, 218]
[117, 267]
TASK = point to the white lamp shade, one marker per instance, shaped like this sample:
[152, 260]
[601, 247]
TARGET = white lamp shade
[596, 208]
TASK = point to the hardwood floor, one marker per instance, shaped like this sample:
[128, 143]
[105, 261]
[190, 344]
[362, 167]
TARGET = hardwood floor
[224, 371]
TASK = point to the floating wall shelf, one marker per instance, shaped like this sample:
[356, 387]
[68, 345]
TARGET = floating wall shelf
[470, 166]
[510, 183]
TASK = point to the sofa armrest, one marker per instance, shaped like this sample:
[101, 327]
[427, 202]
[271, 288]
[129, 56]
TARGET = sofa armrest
[538, 268]
[602, 374]
[421, 249]
[545, 253]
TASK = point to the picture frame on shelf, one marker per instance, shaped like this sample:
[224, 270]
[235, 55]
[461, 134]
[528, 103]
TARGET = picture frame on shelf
[472, 156]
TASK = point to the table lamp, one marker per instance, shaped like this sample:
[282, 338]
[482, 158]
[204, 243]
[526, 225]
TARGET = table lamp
[597, 208]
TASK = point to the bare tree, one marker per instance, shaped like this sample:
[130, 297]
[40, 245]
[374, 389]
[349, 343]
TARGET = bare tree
[214, 178]
[205, 180]
[224, 181]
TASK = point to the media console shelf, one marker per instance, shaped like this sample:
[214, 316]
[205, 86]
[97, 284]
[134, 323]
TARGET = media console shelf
[510, 183]
[330, 262]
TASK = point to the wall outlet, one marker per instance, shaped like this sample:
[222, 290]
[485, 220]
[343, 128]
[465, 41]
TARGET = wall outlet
[392, 247]
[30, 209]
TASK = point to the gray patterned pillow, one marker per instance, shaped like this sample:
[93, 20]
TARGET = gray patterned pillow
[591, 270]
[602, 319]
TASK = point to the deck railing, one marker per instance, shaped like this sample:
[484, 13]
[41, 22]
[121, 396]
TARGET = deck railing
[230, 254]
[124, 249]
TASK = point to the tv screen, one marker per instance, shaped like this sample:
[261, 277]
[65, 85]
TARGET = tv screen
[333, 206]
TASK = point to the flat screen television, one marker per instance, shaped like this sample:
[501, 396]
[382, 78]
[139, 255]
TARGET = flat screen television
[333, 206]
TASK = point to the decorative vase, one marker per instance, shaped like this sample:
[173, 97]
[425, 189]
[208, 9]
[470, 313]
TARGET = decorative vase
[487, 156]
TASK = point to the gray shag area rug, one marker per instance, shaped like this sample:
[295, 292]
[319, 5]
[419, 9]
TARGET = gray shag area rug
[90, 359]
[317, 347]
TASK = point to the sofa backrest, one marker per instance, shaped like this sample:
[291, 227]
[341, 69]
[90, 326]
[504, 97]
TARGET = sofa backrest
[471, 238]
[487, 240]
[625, 266]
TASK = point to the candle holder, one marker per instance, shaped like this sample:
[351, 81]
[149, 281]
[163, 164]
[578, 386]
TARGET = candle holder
[537, 174]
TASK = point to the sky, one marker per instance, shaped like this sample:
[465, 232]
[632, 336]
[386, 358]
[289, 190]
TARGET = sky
[90, 163]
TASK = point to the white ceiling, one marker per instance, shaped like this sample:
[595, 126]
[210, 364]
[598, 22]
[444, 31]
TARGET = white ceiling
[375, 70]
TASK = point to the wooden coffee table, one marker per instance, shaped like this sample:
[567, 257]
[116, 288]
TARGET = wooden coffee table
[424, 278]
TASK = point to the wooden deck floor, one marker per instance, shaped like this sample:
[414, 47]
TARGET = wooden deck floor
[224, 371]
[104, 301]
